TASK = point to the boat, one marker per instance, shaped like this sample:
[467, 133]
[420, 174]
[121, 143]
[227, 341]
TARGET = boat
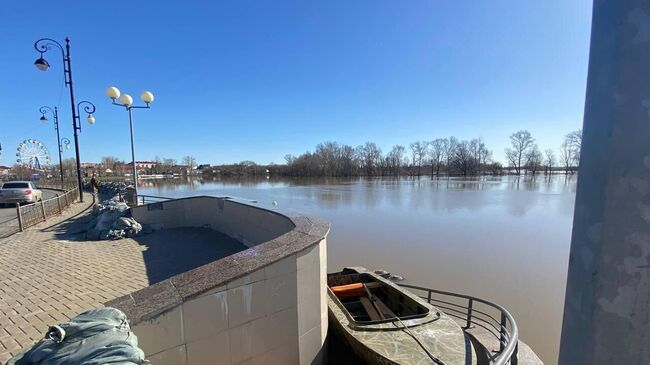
[384, 323]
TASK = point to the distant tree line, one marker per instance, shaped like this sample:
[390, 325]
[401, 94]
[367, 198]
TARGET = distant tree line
[442, 156]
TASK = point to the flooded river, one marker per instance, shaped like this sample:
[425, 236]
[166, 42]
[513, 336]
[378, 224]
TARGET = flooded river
[503, 239]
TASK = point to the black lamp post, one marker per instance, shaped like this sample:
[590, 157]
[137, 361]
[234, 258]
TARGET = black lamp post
[43, 45]
[126, 101]
[55, 113]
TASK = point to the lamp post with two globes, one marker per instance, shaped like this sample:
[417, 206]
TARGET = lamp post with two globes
[126, 101]
[43, 45]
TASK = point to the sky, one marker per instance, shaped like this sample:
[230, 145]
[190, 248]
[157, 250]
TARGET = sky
[256, 80]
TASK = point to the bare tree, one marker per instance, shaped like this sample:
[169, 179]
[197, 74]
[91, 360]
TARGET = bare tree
[169, 162]
[22, 172]
[70, 167]
[480, 154]
[566, 156]
[349, 161]
[370, 156]
[462, 159]
[418, 152]
[484, 154]
[549, 160]
[190, 162]
[573, 141]
[534, 160]
[437, 151]
[396, 158]
[329, 156]
[521, 143]
[452, 142]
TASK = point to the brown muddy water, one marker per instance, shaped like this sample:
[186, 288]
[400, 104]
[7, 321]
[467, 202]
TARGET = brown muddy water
[504, 239]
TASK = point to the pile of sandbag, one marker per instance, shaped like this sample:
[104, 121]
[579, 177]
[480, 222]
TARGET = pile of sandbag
[111, 220]
[99, 336]
[111, 190]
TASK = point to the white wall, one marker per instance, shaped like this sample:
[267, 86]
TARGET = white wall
[276, 315]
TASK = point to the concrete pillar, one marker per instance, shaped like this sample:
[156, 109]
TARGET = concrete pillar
[607, 308]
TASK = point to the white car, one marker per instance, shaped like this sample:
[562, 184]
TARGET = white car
[13, 192]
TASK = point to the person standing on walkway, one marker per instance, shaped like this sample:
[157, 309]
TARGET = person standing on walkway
[94, 182]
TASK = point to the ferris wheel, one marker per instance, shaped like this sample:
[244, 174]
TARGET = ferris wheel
[32, 153]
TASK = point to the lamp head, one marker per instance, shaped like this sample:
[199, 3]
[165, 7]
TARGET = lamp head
[126, 99]
[43, 118]
[147, 97]
[113, 92]
[42, 64]
[90, 119]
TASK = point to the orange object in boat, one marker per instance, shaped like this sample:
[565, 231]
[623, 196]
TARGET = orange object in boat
[349, 291]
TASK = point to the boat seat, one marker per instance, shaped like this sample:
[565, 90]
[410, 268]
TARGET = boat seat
[370, 309]
[385, 312]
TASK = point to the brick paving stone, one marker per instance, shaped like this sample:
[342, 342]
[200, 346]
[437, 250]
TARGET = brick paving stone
[46, 277]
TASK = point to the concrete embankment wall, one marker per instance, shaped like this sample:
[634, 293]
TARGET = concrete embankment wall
[264, 305]
[248, 224]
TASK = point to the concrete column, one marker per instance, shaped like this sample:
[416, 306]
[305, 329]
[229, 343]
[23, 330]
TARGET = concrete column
[607, 308]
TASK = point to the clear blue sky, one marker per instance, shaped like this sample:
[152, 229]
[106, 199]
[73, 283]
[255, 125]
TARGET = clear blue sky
[255, 80]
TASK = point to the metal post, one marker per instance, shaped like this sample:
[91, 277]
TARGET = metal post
[470, 304]
[20, 217]
[58, 140]
[58, 202]
[75, 128]
[135, 170]
[42, 45]
[502, 335]
[43, 211]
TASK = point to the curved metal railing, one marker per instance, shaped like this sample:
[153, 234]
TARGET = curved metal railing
[492, 319]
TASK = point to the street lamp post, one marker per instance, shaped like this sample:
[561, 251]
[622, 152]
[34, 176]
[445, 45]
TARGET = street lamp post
[55, 113]
[43, 45]
[126, 101]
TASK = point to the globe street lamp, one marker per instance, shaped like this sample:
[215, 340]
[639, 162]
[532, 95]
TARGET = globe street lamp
[42, 46]
[126, 101]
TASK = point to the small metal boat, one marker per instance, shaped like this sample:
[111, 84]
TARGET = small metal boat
[386, 324]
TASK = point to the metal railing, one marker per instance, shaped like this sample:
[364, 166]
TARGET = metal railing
[32, 214]
[147, 199]
[495, 322]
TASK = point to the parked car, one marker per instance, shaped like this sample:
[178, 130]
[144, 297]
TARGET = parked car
[13, 192]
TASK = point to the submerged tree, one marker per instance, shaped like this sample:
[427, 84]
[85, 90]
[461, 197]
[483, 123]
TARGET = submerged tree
[437, 150]
[395, 159]
[418, 152]
[521, 143]
[549, 160]
[573, 143]
[534, 159]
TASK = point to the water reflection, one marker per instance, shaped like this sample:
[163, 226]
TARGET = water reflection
[502, 238]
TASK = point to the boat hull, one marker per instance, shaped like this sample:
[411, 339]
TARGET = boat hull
[388, 343]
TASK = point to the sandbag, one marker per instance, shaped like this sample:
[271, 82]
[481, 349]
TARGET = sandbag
[95, 337]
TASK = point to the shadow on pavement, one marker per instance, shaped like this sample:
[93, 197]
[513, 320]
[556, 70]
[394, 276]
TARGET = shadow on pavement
[166, 253]
[72, 228]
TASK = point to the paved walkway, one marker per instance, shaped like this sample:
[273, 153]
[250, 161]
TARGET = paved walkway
[46, 279]
[49, 274]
